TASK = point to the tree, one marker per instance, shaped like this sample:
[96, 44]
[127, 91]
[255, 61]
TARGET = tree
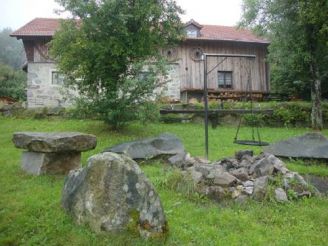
[12, 82]
[11, 50]
[110, 52]
[298, 30]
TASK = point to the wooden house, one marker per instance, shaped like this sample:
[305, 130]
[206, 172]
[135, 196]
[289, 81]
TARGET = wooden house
[227, 78]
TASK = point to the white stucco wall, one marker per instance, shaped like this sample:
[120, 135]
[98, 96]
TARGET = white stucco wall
[40, 90]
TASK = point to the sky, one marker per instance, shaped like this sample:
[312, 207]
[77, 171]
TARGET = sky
[16, 13]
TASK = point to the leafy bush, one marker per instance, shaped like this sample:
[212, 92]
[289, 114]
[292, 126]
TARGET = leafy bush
[12, 82]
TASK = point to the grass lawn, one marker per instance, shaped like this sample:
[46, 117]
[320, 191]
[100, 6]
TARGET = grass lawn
[30, 211]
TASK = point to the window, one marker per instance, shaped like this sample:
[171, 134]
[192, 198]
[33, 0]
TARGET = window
[192, 33]
[57, 78]
[225, 79]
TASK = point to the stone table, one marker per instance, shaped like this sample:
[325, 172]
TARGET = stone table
[52, 153]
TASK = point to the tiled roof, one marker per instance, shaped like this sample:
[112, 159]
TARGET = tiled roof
[47, 27]
[228, 33]
[44, 27]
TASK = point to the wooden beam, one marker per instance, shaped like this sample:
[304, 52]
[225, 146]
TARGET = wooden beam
[216, 111]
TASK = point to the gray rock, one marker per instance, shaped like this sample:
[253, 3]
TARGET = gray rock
[204, 169]
[50, 163]
[112, 194]
[280, 195]
[229, 163]
[248, 190]
[241, 199]
[216, 193]
[164, 144]
[196, 176]
[311, 145]
[262, 167]
[224, 179]
[237, 192]
[248, 183]
[54, 142]
[240, 173]
[247, 161]
[178, 160]
[279, 166]
[320, 183]
[248, 187]
[260, 188]
[239, 155]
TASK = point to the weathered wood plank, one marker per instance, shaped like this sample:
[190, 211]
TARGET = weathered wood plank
[216, 111]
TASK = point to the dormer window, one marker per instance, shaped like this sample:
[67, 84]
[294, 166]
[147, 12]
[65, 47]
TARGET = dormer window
[192, 29]
[192, 33]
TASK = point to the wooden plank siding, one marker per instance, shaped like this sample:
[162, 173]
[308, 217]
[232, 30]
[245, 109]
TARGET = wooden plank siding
[192, 72]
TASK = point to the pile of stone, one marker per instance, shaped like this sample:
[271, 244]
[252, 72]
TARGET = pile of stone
[242, 177]
[52, 153]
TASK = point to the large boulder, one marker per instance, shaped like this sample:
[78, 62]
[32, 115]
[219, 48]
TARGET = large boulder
[112, 194]
[164, 144]
[311, 145]
[54, 142]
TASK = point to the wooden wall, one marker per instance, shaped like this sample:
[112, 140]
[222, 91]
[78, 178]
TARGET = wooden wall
[37, 49]
[191, 71]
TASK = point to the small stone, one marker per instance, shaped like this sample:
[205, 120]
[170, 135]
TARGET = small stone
[196, 176]
[241, 199]
[240, 173]
[248, 183]
[224, 179]
[248, 190]
[280, 195]
[279, 166]
[205, 169]
[239, 155]
[235, 193]
[216, 193]
[262, 167]
[304, 194]
[260, 188]
[178, 160]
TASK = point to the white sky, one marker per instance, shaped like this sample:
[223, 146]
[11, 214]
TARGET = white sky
[16, 13]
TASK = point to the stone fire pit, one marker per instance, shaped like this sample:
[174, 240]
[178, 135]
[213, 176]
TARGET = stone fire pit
[52, 153]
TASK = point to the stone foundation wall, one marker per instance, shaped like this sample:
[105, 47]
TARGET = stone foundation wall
[41, 92]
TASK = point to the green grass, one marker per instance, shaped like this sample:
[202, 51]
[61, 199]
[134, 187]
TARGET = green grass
[30, 211]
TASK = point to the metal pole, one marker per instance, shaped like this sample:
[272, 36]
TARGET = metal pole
[206, 105]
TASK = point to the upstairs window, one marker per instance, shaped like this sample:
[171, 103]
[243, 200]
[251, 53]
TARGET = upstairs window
[57, 78]
[225, 79]
[192, 33]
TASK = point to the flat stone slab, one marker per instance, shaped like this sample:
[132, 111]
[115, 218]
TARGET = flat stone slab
[37, 163]
[320, 183]
[54, 142]
[311, 145]
[164, 144]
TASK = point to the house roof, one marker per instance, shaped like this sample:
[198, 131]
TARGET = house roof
[46, 27]
[228, 33]
[42, 27]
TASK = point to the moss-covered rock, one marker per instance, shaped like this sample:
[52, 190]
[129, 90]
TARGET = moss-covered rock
[112, 194]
